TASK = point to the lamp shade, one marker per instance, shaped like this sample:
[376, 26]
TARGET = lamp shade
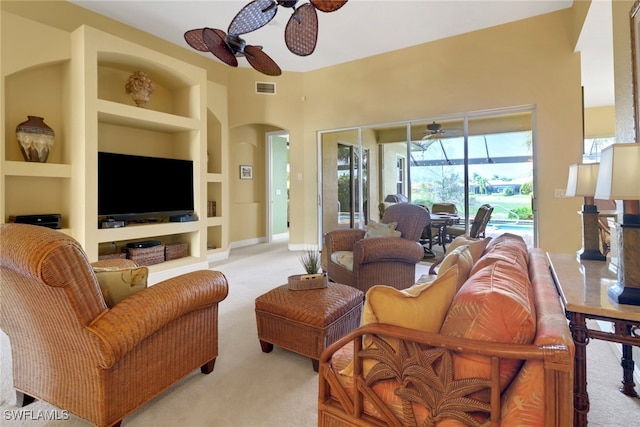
[582, 179]
[619, 173]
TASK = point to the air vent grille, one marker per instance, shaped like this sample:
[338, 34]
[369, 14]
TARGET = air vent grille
[266, 88]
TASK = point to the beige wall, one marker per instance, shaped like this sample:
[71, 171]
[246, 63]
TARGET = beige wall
[625, 127]
[530, 62]
[600, 122]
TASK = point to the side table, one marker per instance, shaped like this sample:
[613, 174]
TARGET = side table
[582, 286]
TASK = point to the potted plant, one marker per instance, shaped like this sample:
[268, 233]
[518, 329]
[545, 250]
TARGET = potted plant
[310, 260]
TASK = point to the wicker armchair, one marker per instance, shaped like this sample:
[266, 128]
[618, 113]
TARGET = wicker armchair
[380, 260]
[73, 352]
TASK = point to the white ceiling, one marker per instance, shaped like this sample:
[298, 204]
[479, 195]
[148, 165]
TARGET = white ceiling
[364, 28]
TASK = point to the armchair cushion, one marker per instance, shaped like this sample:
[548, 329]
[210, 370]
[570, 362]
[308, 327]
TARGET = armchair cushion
[380, 229]
[119, 283]
[343, 258]
[460, 256]
[421, 306]
[476, 246]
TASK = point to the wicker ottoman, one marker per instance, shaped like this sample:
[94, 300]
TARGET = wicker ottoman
[307, 321]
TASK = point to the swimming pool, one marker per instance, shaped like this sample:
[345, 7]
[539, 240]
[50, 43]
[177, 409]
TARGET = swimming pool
[520, 226]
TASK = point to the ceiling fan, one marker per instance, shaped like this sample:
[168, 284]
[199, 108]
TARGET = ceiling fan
[226, 47]
[435, 131]
[301, 32]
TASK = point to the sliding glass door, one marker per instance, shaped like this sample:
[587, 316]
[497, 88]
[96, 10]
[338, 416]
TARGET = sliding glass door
[345, 181]
[467, 160]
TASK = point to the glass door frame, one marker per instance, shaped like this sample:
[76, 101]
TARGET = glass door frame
[464, 117]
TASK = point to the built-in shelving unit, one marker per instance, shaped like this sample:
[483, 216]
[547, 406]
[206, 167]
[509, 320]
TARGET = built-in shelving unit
[82, 97]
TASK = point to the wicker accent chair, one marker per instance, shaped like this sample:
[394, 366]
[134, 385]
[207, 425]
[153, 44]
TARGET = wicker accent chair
[380, 260]
[71, 351]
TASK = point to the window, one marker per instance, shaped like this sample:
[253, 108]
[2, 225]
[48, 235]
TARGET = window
[401, 172]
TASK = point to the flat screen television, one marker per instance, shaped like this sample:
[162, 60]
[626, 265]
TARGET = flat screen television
[134, 187]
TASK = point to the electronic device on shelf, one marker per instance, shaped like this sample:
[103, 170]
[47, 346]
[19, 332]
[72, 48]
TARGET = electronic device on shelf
[44, 220]
[182, 218]
[143, 244]
[111, 223]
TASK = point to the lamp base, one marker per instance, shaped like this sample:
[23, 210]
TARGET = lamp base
[591, 254]
[624, 295]
[590, 235]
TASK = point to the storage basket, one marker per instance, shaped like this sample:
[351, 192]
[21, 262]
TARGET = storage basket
[146, 256]
[175, 251]
[117, 255]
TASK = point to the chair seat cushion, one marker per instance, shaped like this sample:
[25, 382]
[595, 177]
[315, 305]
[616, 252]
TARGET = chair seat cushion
[343, 258]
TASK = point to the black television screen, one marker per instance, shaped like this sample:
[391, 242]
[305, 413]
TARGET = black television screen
[138, 185]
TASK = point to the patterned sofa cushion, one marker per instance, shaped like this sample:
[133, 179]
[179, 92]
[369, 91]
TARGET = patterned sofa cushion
[496, 305]
[507, 247]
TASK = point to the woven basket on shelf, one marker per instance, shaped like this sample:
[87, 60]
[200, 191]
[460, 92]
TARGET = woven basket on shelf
[175, 251]
[117, 255]
[146, 256]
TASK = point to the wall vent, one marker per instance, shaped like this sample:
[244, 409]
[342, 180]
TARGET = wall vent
[266, 88]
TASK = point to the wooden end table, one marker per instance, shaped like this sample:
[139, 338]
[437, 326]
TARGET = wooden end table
[583, 286]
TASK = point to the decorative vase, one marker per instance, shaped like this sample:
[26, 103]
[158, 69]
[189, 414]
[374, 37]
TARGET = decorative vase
[140, 87]
[35, 138]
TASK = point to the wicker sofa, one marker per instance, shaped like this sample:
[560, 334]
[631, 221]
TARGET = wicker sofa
[493, 348]
[70, 350]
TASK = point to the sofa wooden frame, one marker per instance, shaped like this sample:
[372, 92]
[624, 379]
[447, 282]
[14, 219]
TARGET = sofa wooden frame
[338, 408]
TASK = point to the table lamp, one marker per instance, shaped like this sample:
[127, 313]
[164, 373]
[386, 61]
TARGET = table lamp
[619, 179]
[582, 182]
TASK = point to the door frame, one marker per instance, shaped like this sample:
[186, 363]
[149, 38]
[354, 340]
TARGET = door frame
[269, 184]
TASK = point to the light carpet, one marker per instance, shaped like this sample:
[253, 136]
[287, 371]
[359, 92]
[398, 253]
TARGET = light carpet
[251, 388]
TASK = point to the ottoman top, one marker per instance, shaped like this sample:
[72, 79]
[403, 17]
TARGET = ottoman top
[318, 307]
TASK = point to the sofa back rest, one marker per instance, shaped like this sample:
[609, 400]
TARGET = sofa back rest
[411, 219]
[47, 278]
[495, 304]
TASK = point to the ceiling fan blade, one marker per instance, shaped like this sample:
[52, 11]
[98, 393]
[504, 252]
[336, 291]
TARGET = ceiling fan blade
[214, 39]
[255, 15]
[195, 40]
[328, 5]
[301, 33]
[261, 61]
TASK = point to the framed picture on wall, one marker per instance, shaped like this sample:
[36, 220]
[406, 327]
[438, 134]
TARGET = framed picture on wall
[634, 16]
[246, 172]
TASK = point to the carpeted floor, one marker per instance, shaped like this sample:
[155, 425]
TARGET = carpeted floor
[254, 389]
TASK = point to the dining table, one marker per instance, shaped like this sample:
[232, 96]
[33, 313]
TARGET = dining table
[441, 220]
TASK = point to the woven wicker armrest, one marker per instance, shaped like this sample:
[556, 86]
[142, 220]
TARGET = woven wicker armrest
[342, 240]
[387, 249]
[137, 317]
[114, 263]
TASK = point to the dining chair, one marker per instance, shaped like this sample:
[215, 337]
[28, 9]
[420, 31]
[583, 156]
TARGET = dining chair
[478, 226]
